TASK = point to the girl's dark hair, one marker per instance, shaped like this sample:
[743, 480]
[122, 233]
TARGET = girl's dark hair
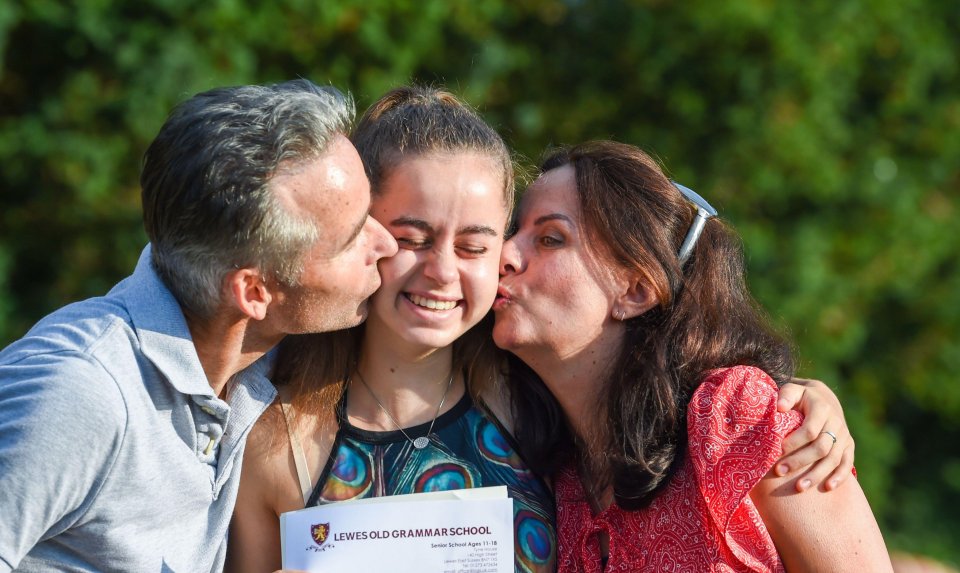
[418, 120]
[405, 123]
[705, 319]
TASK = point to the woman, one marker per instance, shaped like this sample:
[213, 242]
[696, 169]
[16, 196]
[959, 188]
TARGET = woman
[625, 298]
[422, 370]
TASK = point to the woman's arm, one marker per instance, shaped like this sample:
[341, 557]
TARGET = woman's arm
[811, 446]
[821, 531]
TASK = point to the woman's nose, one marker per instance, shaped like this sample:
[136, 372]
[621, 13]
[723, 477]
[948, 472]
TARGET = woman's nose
[510, 260]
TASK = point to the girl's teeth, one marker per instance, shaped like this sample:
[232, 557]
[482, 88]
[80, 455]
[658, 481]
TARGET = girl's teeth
[431, 303]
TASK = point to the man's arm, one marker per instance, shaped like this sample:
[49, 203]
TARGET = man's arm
[61, 424]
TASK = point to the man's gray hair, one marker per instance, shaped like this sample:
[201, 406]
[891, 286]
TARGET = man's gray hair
[207, 203]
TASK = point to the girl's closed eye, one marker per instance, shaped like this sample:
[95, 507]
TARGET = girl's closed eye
[412, 243]
[472, 250]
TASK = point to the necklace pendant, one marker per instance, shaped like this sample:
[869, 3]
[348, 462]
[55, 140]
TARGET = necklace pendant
[421, 442]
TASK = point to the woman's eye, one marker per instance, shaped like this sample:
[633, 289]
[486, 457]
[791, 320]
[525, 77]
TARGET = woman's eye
[550, 241]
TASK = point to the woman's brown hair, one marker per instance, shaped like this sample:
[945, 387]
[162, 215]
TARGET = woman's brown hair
[705, 319]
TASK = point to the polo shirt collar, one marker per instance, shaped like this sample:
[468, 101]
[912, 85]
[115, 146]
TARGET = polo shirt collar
[162, 329]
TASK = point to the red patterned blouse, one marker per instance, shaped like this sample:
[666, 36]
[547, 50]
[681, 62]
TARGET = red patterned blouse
[704, 520]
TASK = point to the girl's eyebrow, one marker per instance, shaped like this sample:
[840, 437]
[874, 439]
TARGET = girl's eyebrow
[411, 222]
[422, 225]
[477, 230]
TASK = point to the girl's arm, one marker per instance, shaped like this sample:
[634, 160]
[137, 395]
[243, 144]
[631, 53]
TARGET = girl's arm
[269, 485]
[254, 543]
[811, 447]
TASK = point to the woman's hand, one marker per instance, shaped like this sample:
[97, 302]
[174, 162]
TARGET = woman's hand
[823, 440]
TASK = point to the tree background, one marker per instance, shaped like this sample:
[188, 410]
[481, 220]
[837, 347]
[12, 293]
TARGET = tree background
[828, 132]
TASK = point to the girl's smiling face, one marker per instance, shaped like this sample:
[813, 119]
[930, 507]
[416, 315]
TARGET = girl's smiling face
[447, 213]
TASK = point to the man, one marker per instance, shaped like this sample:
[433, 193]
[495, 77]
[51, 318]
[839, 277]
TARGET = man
[123, 418]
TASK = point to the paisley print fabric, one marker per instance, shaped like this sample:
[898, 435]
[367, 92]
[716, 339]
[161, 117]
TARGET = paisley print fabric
[704, 520]
[468, 449]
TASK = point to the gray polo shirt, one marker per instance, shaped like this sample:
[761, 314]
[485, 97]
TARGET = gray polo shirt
[115, 455]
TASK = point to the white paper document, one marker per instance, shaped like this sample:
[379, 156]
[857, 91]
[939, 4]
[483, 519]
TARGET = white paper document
[460, 531]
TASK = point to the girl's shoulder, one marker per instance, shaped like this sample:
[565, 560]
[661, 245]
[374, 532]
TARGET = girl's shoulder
[280, 436]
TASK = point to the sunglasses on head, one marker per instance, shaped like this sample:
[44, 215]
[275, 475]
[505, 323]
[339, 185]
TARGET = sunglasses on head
[704, 211]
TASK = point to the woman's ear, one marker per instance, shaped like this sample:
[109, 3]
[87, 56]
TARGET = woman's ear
[636, 300]
[248, 292]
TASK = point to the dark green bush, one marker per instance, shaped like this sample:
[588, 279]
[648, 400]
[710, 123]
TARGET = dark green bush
[828, 132]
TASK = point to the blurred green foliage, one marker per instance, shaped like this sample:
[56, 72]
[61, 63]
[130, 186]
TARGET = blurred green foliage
[828, 132]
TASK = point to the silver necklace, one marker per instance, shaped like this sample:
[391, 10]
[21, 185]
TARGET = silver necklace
[422, 441]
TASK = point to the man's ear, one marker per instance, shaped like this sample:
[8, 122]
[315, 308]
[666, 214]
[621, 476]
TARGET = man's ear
[636, 300]
[249, 292]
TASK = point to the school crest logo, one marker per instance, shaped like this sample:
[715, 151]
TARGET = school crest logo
[320, 532]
